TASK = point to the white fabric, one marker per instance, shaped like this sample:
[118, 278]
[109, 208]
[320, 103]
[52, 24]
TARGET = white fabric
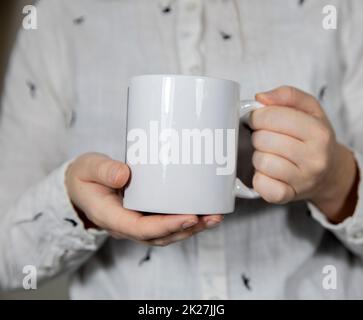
[65, 94]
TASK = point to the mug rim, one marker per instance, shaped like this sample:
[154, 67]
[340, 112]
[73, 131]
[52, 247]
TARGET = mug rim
[161, 75]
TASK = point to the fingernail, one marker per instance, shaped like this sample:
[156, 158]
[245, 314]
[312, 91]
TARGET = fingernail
[189, 224]
[266, 93]
[212, 223]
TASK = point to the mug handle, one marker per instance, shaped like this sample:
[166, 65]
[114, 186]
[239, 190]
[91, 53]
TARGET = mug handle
[241, 190]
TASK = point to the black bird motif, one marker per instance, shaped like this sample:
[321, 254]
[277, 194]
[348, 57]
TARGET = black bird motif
[225, 35]
[166, 10]
[246, 282]
[322, 93]
[146, 257]
[79, 20]
[71, 221]
[32, 88]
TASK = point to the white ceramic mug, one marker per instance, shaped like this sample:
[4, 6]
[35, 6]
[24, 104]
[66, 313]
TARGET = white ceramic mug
[182, 136]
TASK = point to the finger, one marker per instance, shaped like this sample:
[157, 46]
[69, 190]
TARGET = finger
[144, 227]
[212, 220]
[272, 190]
[279, 144]
[275, 167]
[178, 236]
[157, 226]
[292, 97]
[106, 211]
[135, 225]
[286, 121]
[203, 224]
[101, 169]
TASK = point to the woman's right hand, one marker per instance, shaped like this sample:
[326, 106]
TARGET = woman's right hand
[93, 181]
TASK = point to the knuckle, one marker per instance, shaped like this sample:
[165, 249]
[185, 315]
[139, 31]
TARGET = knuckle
[325, 136]
[265, 162]
[259, 118]
[145, 230]
[277, 195]
[102, 169]
[88, 158]
[256, 138]
[256, 160]
[280, 195]
[289, 92]
[256, 181]
[102, 166]
[320, 164]
[253, 119]
[169, 229]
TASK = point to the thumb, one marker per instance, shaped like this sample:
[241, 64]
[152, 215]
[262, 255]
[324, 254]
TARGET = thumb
[291, 97]
[101, 169]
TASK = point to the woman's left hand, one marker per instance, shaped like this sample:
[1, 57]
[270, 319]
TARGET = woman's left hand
[297, 155]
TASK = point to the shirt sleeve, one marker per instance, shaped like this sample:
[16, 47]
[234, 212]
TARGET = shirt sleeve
[350, 231]
[38, 225]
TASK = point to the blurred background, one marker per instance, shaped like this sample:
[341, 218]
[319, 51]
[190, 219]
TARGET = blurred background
[10, 20]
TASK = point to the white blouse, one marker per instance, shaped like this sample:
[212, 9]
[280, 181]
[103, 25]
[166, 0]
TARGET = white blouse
[65, 94]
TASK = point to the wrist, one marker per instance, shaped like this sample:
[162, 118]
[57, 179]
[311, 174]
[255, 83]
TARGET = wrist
[337, 196]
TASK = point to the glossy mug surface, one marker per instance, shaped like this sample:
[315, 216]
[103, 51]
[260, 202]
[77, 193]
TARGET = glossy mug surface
[182, 137]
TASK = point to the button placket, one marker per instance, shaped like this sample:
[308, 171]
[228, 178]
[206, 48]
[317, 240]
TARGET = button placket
[212, 264]
[229, 26]
[165, 13]
[189, 32]
[224, 39]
